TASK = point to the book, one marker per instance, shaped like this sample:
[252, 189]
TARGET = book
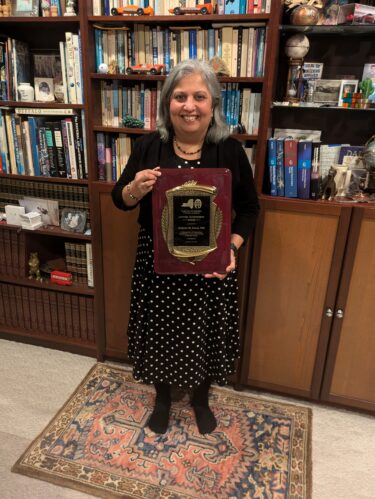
[271, 149]
[58, 143]
[304, 168]
[51, 149]
[290, 165]
[280, 167]
[37, 111]
[70, 71]
[315, 180]
[90, 267]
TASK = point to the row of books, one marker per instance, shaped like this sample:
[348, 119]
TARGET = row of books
[17, 66]
[161, 7]
[68, 196]
[42, 146]
[141, 102]
[242, 48]
[79, 262]
[299, 168]
[113, 153]
[47, 312]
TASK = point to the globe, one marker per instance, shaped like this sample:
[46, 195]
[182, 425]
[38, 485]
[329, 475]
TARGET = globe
[369, 154]
[297, 46]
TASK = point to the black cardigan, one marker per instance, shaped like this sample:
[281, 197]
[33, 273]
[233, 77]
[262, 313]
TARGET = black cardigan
[149, 151]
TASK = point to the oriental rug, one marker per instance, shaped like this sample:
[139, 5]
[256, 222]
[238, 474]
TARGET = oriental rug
[99, 443]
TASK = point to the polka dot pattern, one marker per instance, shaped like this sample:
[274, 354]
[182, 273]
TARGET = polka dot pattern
[182, 328]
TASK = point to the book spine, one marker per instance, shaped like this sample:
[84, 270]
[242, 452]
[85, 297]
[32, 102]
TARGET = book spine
[43, 152]
[280, 167]
[315, 172]
[33, 128]
[100, 147]
[71, 148]
[62, 47]
[52, 151]
[60, 156]
[69, 51]
[290, 164]
[61, 314]
[90, 265]
[78, 145]
[272, 165]
[65, 141]
[52, 299]
[304, 168]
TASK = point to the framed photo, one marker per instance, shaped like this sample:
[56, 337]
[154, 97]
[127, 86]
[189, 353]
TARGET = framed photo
[369, 71]
[327, 92]
[347, 86]
[25, 8]
[73, 220]
[44, 89]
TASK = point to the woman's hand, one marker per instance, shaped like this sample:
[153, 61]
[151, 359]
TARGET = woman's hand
[229, 269]
[144, 182]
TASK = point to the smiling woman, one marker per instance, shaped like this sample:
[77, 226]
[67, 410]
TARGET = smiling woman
[183, 328]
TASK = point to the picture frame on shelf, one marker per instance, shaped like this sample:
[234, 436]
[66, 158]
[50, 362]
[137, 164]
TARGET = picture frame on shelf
[369, 71]
[25, 8]
[73, 220]
[44, 89]
[347, 86]
[327, 92]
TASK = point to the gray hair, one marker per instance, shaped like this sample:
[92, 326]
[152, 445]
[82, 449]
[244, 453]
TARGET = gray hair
[218, 129]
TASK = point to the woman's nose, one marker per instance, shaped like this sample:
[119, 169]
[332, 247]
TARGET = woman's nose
[189, 104]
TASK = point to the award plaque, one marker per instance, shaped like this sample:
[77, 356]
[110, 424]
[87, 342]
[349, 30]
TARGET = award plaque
[191, 211]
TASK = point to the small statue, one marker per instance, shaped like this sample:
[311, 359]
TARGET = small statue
[329, 185]
[34, 271]
[219, 66]
[70, 8]
[131, 122]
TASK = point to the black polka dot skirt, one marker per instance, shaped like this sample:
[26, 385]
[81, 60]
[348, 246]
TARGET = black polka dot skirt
[182, 328]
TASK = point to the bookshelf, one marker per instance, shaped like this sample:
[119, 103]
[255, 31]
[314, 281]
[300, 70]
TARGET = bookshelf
[31, 310]
[311, 277]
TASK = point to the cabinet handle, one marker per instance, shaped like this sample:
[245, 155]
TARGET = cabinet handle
[339, 313]
[329, 312]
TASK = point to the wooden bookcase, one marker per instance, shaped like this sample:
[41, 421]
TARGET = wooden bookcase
[114, 233]
[312, 274]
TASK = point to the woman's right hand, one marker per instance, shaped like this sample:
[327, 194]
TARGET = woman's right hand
[144, 182]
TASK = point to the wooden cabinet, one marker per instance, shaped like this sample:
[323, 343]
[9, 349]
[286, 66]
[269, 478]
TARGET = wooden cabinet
[350, 372]
[295, 270]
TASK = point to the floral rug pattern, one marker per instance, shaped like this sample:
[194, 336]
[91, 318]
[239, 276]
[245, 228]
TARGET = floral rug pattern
[99, 443]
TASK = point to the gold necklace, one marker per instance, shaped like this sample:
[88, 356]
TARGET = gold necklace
[185, 152]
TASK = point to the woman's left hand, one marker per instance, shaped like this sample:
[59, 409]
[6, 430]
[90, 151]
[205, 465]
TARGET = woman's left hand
[228, 270]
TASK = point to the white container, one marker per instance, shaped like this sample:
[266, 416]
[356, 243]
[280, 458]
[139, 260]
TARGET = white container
[25, 92]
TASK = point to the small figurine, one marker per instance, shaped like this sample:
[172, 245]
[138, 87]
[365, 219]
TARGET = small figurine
[34, 271]
[70, 8]
[329, 185]
[219, 66]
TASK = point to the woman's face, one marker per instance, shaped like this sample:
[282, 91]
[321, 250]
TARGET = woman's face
[191, 107]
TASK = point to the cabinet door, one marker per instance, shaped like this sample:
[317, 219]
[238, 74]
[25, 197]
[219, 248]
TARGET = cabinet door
[295, 272]
[118, 237]
[350, 373]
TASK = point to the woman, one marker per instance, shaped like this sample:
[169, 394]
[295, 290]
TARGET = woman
[183, 329]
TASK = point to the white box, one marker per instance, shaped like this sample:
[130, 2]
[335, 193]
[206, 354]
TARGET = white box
[13, 214]
[31, 220]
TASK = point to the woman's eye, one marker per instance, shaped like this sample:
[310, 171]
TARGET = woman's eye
[200, 97]
[179, 97]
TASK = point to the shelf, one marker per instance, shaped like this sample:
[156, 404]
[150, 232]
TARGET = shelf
[41, 105]
[184, 19]
[49, 230]
[321, 108]
[142, 77]
[39, 19]
[36, 178]
[75, 288]
[342, 29]
[318, 202]
[138, 131]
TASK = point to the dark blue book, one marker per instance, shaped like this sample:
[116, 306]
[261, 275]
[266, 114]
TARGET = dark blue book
[280, 180]
[192, 44]
[272, 165]
[304, 168]
[33, 127]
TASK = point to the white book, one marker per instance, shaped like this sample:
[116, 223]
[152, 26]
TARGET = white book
[35, 111]
[63, 70]
[226, 46]
[70, 77]
[148, 45]
[256, 115]
[85, 172]
[26, 127]
[233, 68]
[71, 149]
[90, 265]
[77, 68]
[250, 54]
[250, 123]
[141, 44]
[244, 54]
[246, 93]
[185, 45]
[96, 8]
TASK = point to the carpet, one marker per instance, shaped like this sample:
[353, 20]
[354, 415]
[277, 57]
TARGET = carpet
[99, 443]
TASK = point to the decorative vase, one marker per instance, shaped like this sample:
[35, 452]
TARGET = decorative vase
[25, 92]
[304, 15]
